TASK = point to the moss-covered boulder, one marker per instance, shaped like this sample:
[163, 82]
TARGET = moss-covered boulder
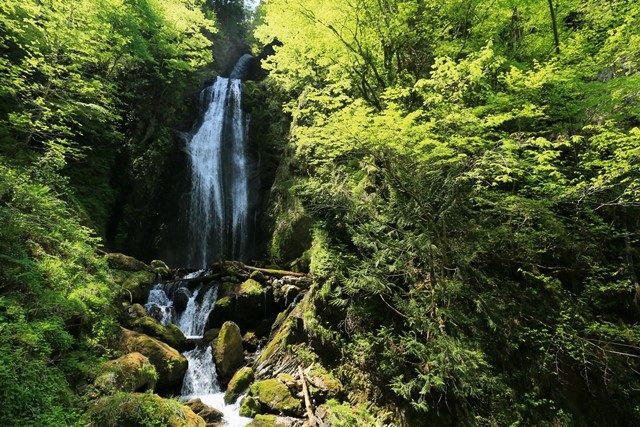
[135, 311]
[275, 397]
[141, 410]
[258, 276]
[169, 334]
[262, 420]
[240, 382]
[250, 341]
[170, 365]
[159, 267]
[322, 384]
[123, 262]
[131, 372]
[133, 286]
[247, 304]
[249, 407]
[228, 353]
[209, 414]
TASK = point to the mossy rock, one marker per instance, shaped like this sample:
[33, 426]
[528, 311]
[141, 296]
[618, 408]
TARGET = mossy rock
[134, 286]
[131, 372]
[250, 287]
[250, 341]
[141, 410]
[323, 383]
[159, 267]
[223, 303]
[124, 262]
[136, 311]
[169, 334]
[240, 381]
[209, 414]
[169, 363]
[249, 407]
[276, 397]
[228, 352]
[258, 276]
[262, 420]
[290, 332]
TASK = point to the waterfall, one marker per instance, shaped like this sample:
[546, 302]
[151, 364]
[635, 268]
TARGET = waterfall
[201, 379]
[194, 318]
[201, 376]
[219, 199]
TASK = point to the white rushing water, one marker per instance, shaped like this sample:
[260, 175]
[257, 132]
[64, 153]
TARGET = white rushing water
[201, 379]
[201, 382]
[159, 305]
[219, 199]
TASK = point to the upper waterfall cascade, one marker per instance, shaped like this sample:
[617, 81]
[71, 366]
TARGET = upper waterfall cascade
[220, 217]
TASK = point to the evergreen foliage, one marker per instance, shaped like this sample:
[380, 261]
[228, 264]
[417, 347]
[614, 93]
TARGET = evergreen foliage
[76, 79]
[475, 201]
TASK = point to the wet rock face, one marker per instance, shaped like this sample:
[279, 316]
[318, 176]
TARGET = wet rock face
[228, 352]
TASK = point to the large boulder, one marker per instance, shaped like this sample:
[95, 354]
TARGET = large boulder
[249, 407]
[240, 382]
[228, 352]
[160, 268]
[133, 286]
[169, 334]
[123, 262]
[141, 410]
[247, 304]
[209, 414]
[169, 363]
[275, 397]
[181, 299]
[131, 372]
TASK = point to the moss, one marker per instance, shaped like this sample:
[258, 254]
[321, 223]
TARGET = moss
[169, 334]
[344, 415]
[169, 363]
[276, 397]
[324, 381]
[141, 409]
[240, 381]
[250, 287]
[266, 421]
[133, 286]
[228, 352]
[258, 276]
[160, 267]
[223, 302]
[249, 407]
[123, 262]
[131, 372]
[250, 341]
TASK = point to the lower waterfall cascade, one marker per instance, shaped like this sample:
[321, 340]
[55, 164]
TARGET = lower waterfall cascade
[200, 381]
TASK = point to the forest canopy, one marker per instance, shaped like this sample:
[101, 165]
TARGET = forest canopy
[459, 180]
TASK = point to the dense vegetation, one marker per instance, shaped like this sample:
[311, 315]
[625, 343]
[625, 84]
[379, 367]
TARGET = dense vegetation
[83, 85]
[472, 182]
[461, 178]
